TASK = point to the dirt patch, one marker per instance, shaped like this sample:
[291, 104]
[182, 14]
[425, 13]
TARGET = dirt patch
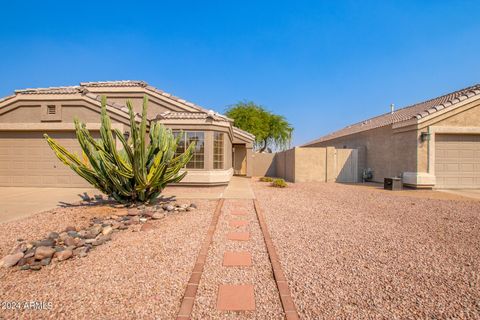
[354, 252]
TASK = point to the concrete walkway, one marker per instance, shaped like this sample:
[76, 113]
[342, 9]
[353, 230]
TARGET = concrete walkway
[19, 202]
[239, 188]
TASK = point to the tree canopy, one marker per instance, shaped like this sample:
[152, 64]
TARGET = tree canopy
[270, 130]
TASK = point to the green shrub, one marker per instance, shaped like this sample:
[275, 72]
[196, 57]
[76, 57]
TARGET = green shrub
[279, 183]
[266, 179]
[139, 171]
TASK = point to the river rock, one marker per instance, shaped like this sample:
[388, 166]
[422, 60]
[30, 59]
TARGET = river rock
[11, 259]
[73, 234]
[53, 235]
[44, 252]
[158, 216]
[29, 253]
[64, 255]
[133, 212]
[21, 247]
[69, 242]
[107, 230]
[81, 251]
[45, 243]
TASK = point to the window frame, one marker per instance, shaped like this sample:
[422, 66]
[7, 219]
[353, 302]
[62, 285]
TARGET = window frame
[185, 142]
[220, 147]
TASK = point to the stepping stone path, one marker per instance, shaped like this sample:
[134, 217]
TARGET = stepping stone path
[233, 276]
[237, 259]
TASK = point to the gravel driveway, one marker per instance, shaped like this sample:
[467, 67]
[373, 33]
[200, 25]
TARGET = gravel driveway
[137, 275]
[354, 252]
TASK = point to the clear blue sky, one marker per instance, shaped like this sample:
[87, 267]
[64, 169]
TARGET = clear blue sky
[322, 64]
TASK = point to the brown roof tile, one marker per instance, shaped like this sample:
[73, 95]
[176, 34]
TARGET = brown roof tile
[71, 90]
[143, 84]
[118, 83]
[416, 111]
[51, 90]
[248, 134]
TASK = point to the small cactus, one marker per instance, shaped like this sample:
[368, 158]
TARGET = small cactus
[279, 183]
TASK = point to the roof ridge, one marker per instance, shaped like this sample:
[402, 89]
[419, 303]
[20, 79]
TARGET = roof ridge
[34, 90]
[113, 83]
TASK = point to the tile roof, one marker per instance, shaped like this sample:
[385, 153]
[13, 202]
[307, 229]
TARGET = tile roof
[201, 113]
[248, 134]
[118, 83]
[190, 115]
[51, 90]
[143, 84]
[416, 111]
[72, 90]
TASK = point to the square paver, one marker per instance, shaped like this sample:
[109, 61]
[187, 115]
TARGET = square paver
[237, 259]
[238, 297]
[238, 236]
[239, 212]
[238, 223]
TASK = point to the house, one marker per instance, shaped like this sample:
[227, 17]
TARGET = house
[431, 144]
[26, 159]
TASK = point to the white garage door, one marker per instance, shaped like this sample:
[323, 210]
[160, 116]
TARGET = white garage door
[26, 160]
[457, 161]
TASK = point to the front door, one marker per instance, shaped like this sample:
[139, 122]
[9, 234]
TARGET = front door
[239, 159]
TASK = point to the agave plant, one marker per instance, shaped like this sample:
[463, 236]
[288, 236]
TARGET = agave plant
[138, 172]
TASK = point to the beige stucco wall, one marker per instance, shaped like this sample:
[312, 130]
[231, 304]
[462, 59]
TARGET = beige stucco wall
[394, 151]
[35, 112]
[385, 152]
[285, 164]
[264, 165]
[311, 164]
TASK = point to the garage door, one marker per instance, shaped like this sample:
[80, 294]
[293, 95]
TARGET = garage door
[457, 161]
[26, 160]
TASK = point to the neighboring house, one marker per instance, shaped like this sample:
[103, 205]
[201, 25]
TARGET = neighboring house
[26, 159]
[435, 143]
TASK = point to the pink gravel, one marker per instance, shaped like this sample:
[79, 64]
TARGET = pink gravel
[354, 252]
[136, 275]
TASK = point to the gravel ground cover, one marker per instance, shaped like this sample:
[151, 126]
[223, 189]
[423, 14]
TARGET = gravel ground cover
[354, 252]
[139, 274]
[267, 301]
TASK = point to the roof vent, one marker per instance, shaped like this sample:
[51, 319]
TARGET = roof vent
[392, 108]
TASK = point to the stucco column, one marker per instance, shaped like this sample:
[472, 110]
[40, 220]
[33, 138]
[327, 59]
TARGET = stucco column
[249, 161]
[208, 155]
[330, 165]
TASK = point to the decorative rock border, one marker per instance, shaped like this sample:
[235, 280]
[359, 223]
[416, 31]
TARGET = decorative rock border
[73, 242]
[280, 279]
[188, 300]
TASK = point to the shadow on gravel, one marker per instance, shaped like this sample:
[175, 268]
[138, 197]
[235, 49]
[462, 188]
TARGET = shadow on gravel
[98, 199]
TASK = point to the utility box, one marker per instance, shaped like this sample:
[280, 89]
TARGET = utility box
[393, 184]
